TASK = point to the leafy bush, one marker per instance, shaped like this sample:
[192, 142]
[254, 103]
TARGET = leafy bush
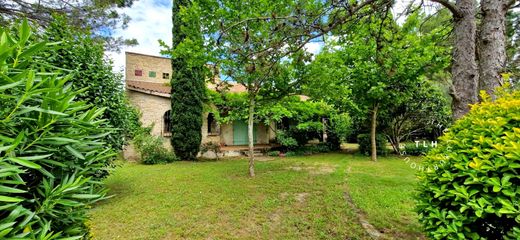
[415, 149]
[273, 153]
[312, 149]
[333, 141]
[364, 144]
[151, 149]
[339, 129]
[471, 185]
[292, 154]
[52, 154]
[285, 140]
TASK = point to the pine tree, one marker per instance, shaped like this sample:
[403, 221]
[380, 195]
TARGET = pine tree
[188, 85]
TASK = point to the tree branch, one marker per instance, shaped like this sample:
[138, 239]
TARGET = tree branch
[450, 6]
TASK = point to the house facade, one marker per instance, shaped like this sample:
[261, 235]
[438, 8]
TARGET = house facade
[148, 88]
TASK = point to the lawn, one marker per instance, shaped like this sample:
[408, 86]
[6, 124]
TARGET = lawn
[290, 198]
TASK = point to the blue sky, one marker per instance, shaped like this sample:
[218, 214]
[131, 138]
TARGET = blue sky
[151, 21]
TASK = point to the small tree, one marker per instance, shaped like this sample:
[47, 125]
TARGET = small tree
[425, 109]
[245, 53]
[380, 65]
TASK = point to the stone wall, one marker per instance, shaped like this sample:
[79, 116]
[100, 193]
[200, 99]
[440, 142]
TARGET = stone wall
[147, 64]
[152, 109]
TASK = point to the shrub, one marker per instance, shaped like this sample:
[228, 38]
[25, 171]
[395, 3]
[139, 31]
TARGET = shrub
[285, 140]
[364, 144]
[52, 154]
[312, 149]
[151, 149]
[471, 185]
[291, 154]
[273, 153]
[415, 149]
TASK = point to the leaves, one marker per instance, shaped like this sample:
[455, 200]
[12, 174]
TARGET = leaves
[52, 156]
[476, 178]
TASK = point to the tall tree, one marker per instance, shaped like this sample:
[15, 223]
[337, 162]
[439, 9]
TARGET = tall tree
[84, 57]
[188, 81]
[464, 69]
[492, 44]
[101, 17]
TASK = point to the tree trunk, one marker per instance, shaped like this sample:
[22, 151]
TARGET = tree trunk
[464, 69]
[492, 44]
[250, 122]
[373, 133]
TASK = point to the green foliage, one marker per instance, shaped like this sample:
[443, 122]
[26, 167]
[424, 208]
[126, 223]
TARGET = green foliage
[83, 57]
[102, 17]
[52, 150]
[188, 82]
[425, 112]
[380, 62]
[286, 141]
[415, 149]
[292, 154]
[365, 146]
[340, 127]
[317, 148]
[151, 149]
[470, 186]
[273, 153]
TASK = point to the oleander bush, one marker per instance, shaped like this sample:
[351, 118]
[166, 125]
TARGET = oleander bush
[364, 144]
[471, 185]
[52, 154]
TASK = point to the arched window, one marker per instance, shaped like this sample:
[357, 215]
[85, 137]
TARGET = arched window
[213, 128]
[167, 122]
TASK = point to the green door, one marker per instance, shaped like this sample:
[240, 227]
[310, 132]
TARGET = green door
[240, 133]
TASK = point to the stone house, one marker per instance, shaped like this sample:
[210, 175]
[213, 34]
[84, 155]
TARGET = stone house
[147, 86]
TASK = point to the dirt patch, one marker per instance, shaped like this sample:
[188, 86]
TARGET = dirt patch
[315, 169]
[264, 159]
[301, 197]
[284, 195]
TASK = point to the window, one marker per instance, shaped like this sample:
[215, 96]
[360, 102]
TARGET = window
[166, 76]
[213, 128]
[152, 74]
[167, 123]
[138, 73]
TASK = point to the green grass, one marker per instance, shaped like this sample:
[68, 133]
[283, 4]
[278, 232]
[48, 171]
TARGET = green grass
[384, 191]
[290, 198]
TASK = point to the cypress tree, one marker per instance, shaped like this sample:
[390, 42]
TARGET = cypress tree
[188, 86]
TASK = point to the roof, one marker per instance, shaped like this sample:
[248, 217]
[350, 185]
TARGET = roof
[152, 88]
[146, 55]
[164, 90]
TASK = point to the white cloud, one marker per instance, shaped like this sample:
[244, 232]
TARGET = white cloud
[150, 21]
[314, 47]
